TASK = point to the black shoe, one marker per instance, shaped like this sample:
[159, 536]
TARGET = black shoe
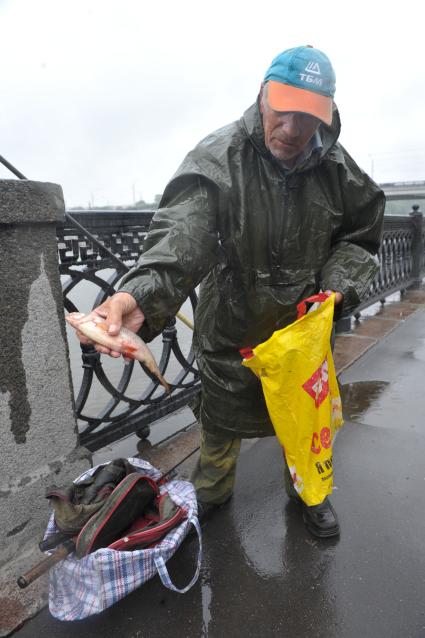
[321, 520]
[206, 510]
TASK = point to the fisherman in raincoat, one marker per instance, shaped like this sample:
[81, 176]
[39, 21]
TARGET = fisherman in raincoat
[262, 213]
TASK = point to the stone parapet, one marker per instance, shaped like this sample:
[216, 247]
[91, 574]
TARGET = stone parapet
[38, 433]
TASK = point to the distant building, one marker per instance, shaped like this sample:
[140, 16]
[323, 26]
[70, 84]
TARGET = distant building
[401, 196]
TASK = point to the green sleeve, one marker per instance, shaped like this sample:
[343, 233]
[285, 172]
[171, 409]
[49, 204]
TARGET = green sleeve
[353, 261]
[179, 250]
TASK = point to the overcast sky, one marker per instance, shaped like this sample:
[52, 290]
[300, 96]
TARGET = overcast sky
[106, 98]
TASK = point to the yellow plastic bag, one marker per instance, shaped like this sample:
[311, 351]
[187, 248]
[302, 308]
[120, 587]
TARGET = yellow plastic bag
[298, 377]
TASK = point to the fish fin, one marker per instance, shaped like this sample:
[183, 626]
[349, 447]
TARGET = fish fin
[102, 326]
[128, 351]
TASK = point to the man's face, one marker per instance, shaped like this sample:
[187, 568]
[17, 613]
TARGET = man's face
[286, 133]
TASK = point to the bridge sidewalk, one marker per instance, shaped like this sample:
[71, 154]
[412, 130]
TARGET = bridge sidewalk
[263, 574]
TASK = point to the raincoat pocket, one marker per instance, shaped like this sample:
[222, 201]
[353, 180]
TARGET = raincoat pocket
[297, 373]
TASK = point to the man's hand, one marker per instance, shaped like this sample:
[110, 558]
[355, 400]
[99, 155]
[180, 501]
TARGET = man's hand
[120, 310]
[339, 297]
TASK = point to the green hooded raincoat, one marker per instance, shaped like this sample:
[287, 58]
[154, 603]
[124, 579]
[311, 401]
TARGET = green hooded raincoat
[258, 239]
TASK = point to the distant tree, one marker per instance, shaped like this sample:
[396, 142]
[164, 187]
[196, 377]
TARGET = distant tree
[147, 205]
[141, 204]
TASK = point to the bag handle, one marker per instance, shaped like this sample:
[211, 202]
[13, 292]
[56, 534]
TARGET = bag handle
[247, 352]
[319, 298]
[162, 568]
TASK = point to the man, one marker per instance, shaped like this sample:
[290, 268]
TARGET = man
[262, 213]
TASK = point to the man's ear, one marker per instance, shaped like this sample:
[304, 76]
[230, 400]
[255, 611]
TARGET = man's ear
[261, 96]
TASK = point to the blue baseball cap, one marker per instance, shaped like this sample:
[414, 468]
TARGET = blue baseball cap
[302, 79]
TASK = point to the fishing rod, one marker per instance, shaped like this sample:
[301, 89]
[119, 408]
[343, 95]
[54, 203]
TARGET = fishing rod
[93, 239]
[11, 168]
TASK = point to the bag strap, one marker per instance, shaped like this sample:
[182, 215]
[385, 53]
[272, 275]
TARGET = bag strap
[319, 298]
[162, 568]
[246, 353]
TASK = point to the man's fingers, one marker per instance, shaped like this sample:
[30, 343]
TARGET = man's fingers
[101, 349]
[338, 295]
[118, 309]
[114, 321]
[104, 350]
[84, 340]
[122, 303]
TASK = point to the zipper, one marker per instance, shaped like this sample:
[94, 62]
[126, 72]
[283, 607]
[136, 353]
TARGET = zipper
[278, 251]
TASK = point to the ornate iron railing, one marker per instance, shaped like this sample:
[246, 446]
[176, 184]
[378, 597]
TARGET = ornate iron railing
[128, 398]
[400, 258]
[132, 398]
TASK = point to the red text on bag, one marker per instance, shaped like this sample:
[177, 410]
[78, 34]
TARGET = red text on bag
[324, 438]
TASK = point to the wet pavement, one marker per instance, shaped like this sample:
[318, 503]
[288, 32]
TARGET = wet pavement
[263, 575]
[386, 387]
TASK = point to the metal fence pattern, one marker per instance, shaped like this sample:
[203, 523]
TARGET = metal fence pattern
[395, 261]
[82, 262]
[401, 259]
[121, 231]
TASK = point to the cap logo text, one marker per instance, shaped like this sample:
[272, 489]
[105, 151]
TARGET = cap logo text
[310, 79]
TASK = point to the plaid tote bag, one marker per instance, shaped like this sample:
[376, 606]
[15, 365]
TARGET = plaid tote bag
[79, 588]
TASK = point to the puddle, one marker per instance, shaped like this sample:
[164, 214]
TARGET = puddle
[359, 396]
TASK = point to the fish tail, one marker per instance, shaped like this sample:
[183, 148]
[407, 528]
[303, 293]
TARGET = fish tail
[164, 383]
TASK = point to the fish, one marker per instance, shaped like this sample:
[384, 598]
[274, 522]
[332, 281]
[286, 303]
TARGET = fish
[127, 342]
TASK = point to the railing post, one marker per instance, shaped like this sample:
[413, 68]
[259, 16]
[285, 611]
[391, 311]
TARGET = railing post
[417, 247]
[38, 435]
[343, 325]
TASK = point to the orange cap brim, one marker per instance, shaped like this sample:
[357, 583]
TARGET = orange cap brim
[284, 97]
